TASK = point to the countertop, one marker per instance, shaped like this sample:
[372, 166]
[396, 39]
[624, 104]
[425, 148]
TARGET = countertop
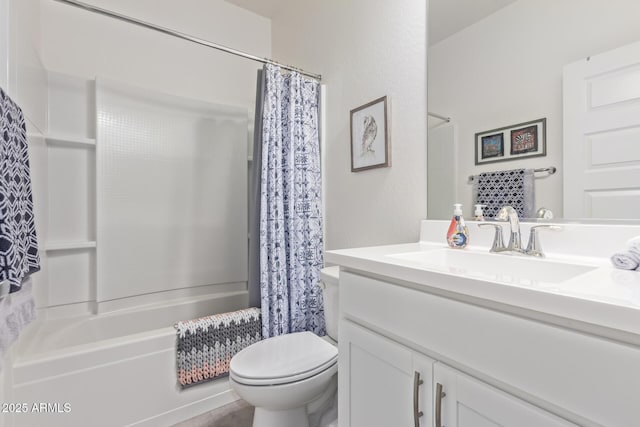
[603, 301]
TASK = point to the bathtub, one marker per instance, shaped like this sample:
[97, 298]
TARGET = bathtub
[111, 369]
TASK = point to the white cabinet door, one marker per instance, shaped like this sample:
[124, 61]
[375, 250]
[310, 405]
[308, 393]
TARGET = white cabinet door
[379, 380]
[467, 402]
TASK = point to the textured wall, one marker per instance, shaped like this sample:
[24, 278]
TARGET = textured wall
[498, 72]
[4, 43]
[365, 49]
[87, 45]
[22, 74]
[23, 77]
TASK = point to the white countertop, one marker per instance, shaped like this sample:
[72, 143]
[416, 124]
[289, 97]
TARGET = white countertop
[604, 301]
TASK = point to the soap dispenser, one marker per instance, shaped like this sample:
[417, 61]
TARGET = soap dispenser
[458, 233]
[477, 214]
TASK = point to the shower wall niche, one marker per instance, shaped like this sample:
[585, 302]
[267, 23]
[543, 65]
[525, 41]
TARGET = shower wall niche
[147, 196]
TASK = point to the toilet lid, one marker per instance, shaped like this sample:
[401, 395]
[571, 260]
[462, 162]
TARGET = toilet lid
[283, 359]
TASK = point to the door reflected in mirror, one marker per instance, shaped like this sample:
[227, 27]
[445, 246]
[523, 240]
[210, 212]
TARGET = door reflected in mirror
[495, 63]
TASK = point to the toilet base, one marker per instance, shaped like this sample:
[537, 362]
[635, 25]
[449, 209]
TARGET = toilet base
[296, 417]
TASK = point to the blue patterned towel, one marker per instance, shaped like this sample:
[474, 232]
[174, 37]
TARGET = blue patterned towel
[18, 242]
[505, 188]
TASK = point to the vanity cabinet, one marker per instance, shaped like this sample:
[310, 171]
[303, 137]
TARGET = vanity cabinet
[496, 367]
[391, 385]
[388, 384]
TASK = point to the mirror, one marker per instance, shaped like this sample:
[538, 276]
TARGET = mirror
[498, 63]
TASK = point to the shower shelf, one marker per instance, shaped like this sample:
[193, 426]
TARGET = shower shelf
[69, 140]
[68, 246]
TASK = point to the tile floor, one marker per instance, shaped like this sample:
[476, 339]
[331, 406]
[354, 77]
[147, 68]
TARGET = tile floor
[236, 414]
[240, 414]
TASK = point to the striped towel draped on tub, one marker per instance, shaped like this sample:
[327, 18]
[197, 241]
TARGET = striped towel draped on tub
[205, 346]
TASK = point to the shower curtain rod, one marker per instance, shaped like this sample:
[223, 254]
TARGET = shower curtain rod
[183, 36]
[439, 116]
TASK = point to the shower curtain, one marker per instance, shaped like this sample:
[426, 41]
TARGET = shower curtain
[287, 159]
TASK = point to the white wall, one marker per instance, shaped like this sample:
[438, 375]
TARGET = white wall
[507, 69]
[4, 44]
[365, 49]
[22, 74]
[171, 191]
[87, 45]
[23, 78]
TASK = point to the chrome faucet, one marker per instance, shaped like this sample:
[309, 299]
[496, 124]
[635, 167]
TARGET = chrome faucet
[498, 242]
[507, 213]
[534, 248]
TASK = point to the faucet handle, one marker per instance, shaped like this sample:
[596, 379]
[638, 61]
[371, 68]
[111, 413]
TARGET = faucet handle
[534, 248]
[498, 242]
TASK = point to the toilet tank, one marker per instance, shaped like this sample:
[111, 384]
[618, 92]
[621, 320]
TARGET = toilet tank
[329, 283]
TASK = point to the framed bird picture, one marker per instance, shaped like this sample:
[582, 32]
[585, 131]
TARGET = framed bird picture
[370, 136]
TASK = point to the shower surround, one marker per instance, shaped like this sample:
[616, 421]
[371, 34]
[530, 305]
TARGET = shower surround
[146, 204]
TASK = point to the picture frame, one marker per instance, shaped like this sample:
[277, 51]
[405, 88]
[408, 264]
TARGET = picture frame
[523, 140]
[369, 126]
[492, 146]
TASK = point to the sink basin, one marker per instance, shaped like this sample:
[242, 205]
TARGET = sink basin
[495, 267]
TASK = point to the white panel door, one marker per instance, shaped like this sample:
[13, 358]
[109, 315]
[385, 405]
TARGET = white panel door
[379, 380]
[601, 97]
[467, 402]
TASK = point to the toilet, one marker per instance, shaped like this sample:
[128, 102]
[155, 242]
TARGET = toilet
[285, 376]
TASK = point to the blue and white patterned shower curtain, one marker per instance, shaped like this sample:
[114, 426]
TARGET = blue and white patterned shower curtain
[291, 246]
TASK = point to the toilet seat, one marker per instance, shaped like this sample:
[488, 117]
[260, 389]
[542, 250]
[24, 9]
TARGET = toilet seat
[283, 359]
[283, 380]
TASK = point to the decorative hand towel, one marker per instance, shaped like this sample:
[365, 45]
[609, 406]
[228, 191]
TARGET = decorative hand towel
[629, 259]
[625, 260]
[205, 346]
[634, 244]
[18, 242]
[511, 187]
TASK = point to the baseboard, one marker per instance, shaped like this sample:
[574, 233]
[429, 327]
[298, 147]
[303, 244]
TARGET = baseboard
[188, 411]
